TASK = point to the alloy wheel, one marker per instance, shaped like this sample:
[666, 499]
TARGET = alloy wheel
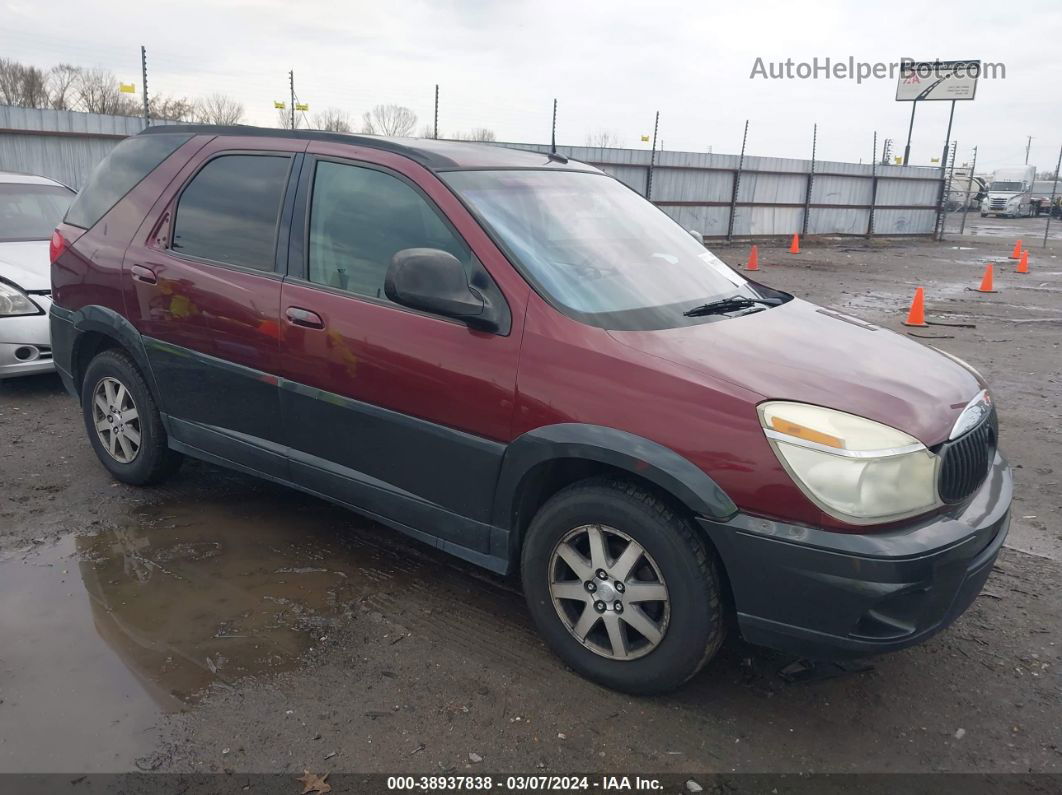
[609, 592]
[116, 419]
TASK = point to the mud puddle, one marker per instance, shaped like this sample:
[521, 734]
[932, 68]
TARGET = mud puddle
[104, 634]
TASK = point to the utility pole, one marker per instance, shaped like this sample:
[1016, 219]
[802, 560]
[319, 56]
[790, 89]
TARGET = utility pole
[435, 134]
[553, 133]
[1028, 146]
[652, 160]
[291, 85]
[143, 79]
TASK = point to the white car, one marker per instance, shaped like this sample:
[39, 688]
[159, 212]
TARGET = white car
[30, 208]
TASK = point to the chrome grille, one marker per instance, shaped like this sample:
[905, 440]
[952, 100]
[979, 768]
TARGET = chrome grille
[965, 461]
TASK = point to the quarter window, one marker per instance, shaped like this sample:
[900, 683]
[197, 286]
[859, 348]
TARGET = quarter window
[360, 218]
[228, 212]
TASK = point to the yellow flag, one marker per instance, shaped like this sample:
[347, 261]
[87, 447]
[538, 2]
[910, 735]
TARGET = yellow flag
[899, 160]
[279, 105]
[127, 88]
[645, 138]
[302, 106]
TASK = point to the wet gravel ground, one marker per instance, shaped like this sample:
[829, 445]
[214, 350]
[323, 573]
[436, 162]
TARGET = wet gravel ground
[221, 623]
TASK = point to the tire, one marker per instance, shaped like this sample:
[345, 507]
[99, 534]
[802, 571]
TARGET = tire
[688, 624]
[127, 411]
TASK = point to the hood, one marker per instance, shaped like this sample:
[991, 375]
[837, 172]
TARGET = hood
[802, 352]
[26, 264]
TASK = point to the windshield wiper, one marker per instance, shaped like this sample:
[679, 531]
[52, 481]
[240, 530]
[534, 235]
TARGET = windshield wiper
[731, 304]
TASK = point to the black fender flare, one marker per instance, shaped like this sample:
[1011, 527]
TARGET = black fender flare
[101, 320]
[642, 457]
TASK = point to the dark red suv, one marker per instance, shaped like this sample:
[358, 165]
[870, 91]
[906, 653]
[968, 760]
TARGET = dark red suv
[515, 358]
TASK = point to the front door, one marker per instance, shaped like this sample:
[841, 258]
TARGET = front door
[402, 413]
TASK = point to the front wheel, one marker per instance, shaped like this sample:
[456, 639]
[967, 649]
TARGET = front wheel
[621, 587]
[123, 422]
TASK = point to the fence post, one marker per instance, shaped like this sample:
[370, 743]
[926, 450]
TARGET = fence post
[873, 186]
[143, 79]
[553, 130]
[737, 184]
[652, 161]
[435, 132]
[811, 180]
[942, 206]
[969, 184]
[938, 225]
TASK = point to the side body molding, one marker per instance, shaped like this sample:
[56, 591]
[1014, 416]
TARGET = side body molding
[639, 456]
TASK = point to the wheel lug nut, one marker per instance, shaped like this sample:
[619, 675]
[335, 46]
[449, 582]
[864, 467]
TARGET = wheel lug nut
[591, 586]
[617, 606]
[600, 606]
[620, 587]
[602, 574]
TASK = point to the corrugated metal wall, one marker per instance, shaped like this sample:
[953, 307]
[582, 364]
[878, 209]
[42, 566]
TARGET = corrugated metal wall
[695, 188]
[78, 141]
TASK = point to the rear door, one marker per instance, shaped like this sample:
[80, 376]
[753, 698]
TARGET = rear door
[204, 290]
[402, 413]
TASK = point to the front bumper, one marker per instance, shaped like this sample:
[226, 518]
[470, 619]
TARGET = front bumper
[25, 342]
[829, 595]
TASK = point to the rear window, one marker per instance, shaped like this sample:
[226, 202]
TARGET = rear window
[228, 213]
[31, 212]
[120, 172]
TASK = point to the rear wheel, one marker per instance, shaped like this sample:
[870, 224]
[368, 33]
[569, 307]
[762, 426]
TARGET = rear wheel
[123, 422]
[621, 587]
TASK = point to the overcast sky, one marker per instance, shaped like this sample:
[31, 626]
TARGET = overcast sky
[610, 64]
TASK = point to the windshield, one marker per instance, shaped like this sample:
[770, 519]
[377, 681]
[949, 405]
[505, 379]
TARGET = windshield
[31, 212]
[598, 250]
[1006, 187]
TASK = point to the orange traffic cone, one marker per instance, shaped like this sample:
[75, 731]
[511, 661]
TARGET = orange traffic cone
[754, 260]
[1023, 264]
[1017, 251]
[916, 316]
[794, 247]
[986, 281]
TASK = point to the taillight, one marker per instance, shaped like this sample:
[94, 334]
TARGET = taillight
[57, 246]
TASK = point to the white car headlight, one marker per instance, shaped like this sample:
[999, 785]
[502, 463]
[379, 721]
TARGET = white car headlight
[855, 469]
[15, 302]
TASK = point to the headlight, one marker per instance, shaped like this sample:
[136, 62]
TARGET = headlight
[14, 302]
[855, 469]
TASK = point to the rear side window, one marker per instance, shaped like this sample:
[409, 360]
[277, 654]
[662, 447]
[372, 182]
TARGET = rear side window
[228, 212]
[120, 172]
[359, 219]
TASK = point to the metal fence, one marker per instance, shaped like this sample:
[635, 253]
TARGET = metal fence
[773, 196]
[717, 195]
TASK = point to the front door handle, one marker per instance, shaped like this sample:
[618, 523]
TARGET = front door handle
[142, 274]
[298, 316]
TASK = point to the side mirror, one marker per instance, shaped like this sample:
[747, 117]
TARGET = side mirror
[435, 281]
[696, 235]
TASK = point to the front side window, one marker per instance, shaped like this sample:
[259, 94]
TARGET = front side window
[360, 218]
[31, 212]
[596, 249]
[228, 212]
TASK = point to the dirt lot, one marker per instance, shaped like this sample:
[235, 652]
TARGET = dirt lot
[222, 623]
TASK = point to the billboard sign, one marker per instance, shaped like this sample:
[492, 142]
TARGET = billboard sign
[921, 80]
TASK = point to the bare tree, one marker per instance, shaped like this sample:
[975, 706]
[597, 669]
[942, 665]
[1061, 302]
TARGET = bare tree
[603, 138]
[171, 108]
[220, 109]
[395, 120]
[97, 92]
[331, 119]
[62, 86]
[21, 85]
[427, 131]
[476, 134]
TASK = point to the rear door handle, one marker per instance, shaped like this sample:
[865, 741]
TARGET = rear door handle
[298, 316]
[145, 275]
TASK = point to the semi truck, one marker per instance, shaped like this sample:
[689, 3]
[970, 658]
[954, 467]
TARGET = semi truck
[1010, 193]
